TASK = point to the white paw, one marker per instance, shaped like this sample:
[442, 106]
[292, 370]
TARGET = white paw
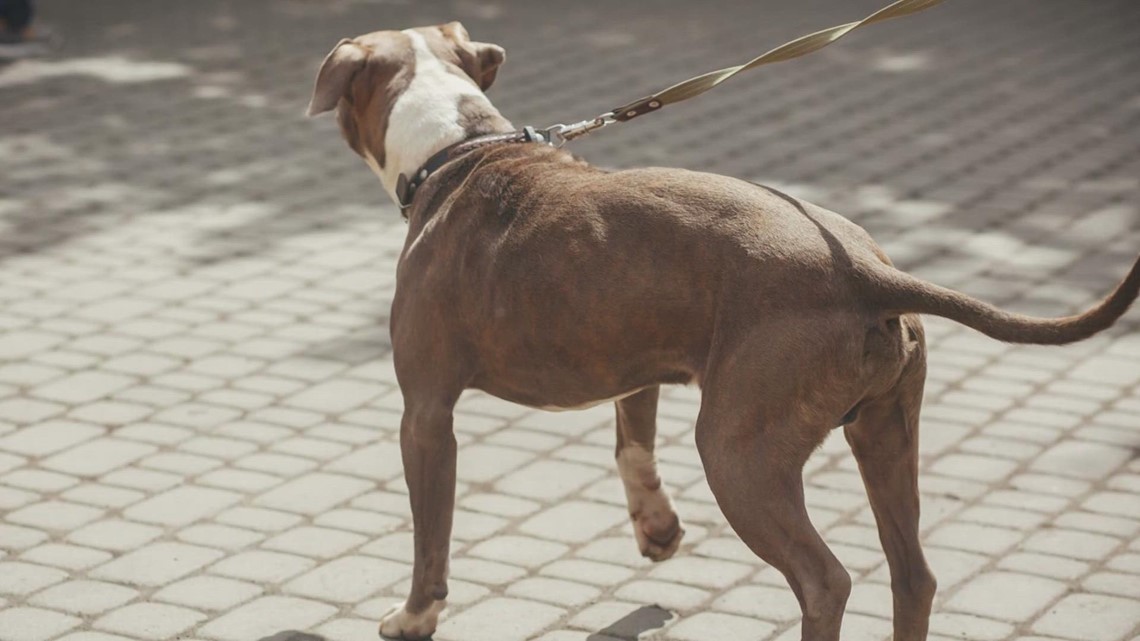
[401, 624]
[657, 527]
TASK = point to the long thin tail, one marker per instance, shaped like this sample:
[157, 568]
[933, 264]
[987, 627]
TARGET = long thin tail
[896, 292]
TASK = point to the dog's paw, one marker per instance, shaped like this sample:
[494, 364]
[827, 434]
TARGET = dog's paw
[657, 528]
[408, 626]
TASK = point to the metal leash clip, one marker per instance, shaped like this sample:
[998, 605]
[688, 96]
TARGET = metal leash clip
[559, 135]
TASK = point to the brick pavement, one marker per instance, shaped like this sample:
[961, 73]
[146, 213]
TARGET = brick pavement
[198, 414]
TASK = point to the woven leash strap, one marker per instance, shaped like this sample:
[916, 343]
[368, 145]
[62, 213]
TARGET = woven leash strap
[799, 47]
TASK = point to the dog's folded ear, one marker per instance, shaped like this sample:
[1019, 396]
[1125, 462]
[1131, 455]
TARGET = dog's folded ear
[490, 56]
[480, 60]
[337, 71]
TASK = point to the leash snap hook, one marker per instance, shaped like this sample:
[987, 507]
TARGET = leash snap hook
[560, 134]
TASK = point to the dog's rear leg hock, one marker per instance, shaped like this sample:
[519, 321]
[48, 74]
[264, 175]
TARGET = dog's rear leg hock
[655, 523]
[427, 444]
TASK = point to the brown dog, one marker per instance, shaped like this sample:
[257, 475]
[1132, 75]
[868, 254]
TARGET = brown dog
[547, 282]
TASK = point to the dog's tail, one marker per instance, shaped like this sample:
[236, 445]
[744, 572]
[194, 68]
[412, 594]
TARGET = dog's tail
[896, 292]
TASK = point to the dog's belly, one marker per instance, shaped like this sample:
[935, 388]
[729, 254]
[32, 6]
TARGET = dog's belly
[561, 389]
[588, 404]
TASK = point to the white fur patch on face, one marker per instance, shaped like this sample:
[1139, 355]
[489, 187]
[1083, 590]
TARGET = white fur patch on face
[425, 117]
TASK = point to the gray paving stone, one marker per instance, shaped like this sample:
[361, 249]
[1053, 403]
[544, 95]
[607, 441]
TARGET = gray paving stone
[82, 387]
[517, 550]
[1089, 616]
[566, 594]
[156, 564]
[474, 526]
[267, 616]
[707, 573]
[114, 534]
[258, 519]
[574, 521]
[348, 629]
[24, 578]
[374, 461]
[63, 556]
[1005, 596]
[762, 602]
[83, 597]
[1044, 565]
[485, 572]
[975, 538]
[334, 397]
[219, 536]
[671, 596]
[207, 593]
[181, 505]
[600, 574]
[548, 480]
[313, 493]
[54, 515]
[87, 635]
[48, 437]
[499, 619]
[14, 537]
[365, 522]
[97, 457]
[481, 463]
[349, 579]
[722, 626]
[317, 542]
[261, 566]
[1069, 543]
[34, 624]
[1081, 459]
[1124, 585]
[969, 627]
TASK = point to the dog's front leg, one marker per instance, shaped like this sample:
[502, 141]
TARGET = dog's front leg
[427, 443]
[655, 524]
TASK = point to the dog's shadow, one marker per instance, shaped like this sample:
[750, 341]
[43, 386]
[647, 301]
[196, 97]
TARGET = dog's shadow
[293, 635]
[627, 628]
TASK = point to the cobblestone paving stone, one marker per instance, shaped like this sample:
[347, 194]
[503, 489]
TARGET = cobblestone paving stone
[198, 415]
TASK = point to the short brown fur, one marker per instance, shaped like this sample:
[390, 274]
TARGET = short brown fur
[542, 280]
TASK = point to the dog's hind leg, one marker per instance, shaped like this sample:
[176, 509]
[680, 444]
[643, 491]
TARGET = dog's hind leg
[760, 490]
[655, 523]
[753, 447]
[427, 444]
[884, 439]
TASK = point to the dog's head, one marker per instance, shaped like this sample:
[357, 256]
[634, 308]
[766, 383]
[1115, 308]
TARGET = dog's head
[364, 77]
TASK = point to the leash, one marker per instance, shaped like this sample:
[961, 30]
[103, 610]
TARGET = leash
[560, 134]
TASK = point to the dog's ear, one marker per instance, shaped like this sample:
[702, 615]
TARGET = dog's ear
[490, 56]
[480, 60]
[337, 71]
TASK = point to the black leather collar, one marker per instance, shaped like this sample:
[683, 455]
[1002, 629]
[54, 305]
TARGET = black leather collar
[406, 186]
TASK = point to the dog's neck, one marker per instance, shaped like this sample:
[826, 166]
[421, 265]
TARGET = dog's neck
[438, 108]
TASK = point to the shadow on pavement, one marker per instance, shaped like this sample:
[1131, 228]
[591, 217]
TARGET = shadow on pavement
[632, 625]
[293, 635]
